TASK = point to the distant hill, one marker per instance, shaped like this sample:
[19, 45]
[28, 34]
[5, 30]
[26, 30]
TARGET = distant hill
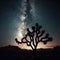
[15, 53]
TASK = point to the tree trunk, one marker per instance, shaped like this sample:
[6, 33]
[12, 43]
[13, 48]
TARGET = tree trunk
[34, 54]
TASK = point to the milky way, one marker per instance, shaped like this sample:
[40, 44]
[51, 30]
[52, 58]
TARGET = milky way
[25, 17]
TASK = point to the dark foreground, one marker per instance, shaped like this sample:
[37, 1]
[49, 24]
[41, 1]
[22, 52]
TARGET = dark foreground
[15, 53]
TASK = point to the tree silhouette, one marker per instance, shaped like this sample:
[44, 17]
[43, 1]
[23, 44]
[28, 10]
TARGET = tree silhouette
[34, 36]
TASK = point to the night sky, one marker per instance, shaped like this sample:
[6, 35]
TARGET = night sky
[47, 14]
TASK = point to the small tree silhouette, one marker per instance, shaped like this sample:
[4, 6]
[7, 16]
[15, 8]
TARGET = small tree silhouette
[34, 36]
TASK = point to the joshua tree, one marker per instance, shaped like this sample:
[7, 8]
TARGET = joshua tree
[34, 36]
